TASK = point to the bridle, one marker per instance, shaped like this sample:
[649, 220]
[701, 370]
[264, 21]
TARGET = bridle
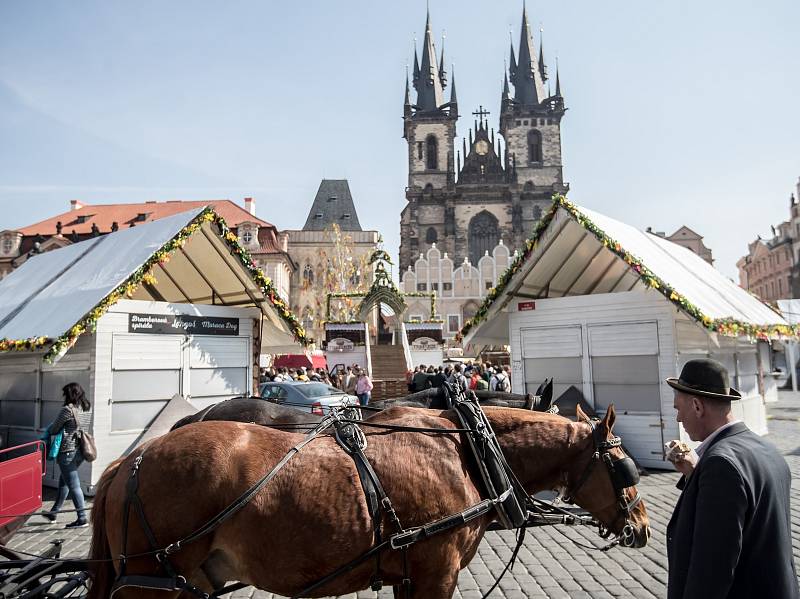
[623, 474]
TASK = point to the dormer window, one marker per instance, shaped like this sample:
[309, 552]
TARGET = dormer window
[83, 218]
[141, 217]
[345, 216]
[247, 237]
[332, 199]
[318, 215]
[8, 244]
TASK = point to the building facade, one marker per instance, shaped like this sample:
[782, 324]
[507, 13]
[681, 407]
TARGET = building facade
[83, 221]
[689, 239]
[770, 268]
[465, 202]
[332, 255]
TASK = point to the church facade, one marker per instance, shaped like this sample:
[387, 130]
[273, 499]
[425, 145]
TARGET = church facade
[466, 201]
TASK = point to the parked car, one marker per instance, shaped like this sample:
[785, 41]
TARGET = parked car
[317, 398]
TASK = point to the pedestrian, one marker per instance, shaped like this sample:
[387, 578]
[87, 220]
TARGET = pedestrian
[421, 379]
[730, 533]
[350, 387]
[500, 381]
[438, 379]
[75, 415]
[301, 375]
[363, 388]
[459, 379]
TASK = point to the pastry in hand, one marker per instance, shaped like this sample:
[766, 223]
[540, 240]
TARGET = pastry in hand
[676, 450]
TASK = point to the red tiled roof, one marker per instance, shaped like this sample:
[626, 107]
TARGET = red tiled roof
[104, 215]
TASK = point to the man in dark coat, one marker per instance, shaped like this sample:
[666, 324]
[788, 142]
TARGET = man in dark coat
[730, 534]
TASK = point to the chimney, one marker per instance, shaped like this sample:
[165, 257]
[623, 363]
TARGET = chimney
[250, 205]
[75, 205]
[283, 241]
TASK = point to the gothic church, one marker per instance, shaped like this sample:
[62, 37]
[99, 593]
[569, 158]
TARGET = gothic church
[467, 200]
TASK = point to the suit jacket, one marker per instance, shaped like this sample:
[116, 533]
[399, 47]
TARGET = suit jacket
[730, 534]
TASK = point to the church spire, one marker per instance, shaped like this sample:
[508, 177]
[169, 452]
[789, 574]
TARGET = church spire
[428, 80]
[453, 98]
[526, 77]
[542, 68]
[558, 82]
[442, 72]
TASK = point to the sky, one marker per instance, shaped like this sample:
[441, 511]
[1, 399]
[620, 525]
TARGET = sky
[679, 112]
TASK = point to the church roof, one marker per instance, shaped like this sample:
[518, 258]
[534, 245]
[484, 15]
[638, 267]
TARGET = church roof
[333, 204]
[575, 251]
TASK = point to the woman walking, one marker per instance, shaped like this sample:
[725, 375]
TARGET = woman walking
[75, 415]
[363, 388]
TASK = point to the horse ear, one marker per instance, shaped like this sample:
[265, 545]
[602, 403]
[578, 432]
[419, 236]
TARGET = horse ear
[580, 414]
[611, 417]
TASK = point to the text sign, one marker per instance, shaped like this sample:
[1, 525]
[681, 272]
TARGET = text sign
[525, 306]
[182, 324]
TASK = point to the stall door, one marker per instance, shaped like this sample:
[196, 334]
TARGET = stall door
[624, 361]
[555, 352]
[217, 369]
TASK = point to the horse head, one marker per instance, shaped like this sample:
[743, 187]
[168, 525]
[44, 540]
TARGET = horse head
[603, 481]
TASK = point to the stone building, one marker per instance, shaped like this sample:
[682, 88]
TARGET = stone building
[466, 202]
[266, 244]
[689, 239]
[460, 288]
[770, 268]
[331, 252]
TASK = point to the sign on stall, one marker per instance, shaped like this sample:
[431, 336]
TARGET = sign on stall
[525, 306]
[182, 324]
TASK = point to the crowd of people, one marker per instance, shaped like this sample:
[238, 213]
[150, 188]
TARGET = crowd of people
[477, 377]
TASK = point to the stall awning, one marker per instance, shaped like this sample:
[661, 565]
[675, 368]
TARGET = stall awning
[191, 258]
[304, 360]
[576, 251]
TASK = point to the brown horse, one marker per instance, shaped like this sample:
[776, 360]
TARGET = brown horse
[313, 517]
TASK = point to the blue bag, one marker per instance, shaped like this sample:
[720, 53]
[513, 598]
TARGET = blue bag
[55, 445]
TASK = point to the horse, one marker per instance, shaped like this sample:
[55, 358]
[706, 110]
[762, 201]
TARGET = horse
[313, 517]
[267, 413]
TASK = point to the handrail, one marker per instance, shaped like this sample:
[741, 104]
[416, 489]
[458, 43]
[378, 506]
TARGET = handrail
[368, 352]
[406, 347]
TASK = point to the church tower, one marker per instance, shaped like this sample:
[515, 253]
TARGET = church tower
[429, 128]
[530, 121]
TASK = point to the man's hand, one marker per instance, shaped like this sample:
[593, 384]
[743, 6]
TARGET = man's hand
[685, 463]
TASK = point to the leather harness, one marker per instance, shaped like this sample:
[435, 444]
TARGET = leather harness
[505, 495]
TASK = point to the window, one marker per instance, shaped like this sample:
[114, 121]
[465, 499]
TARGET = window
[345, 216]
[519, 123]
[453, 323]
[415, 318]
[434, 286]
[525, 122]
[447, 286]
[484, 234]
[431, 235]
[537, 213]
[308, 276]
[534, 146]
[541, 121]
[247, 237]
[487, 284]
[431, 150]
[318, 215]
[422, 286]
[419, 150]
[7, 244]
[332, 199]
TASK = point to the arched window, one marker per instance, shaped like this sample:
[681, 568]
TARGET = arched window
[308, 276]
[484, 235]
[431, 153]
[534, 146]
[431, 235]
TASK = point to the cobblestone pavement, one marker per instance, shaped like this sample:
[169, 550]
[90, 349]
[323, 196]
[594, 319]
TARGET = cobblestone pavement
[549, 565]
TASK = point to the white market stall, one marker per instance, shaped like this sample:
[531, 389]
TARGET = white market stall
[173, 308]
[614, 311]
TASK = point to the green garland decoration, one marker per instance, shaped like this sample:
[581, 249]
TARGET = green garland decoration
[144, 274]
[725, 326]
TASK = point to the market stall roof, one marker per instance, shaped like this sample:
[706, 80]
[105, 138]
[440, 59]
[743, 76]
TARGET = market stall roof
[191, 257]
[790, 310]
[576, 251]
[304, 360]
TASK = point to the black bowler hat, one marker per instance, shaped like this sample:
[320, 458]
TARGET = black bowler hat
[705, 378]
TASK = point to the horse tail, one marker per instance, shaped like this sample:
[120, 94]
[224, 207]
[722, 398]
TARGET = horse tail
[102, 572]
